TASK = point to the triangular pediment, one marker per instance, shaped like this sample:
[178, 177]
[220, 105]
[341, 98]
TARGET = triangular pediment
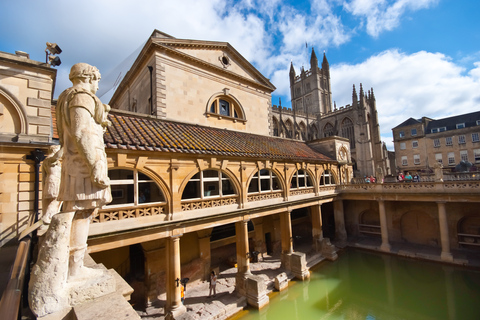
[216, 55]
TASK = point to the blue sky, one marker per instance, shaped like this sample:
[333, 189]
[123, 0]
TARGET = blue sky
[422, 57]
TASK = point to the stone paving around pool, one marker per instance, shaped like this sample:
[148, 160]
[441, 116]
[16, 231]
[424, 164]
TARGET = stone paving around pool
[226, 303]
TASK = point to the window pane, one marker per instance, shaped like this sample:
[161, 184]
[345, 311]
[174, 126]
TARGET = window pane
[212, 108]
[224, 108]
[192, 190]
[253, 187]
[120, 174]
[265, 184]
[227, 187]
[275, 184]
[122, 194]
[149, 192]
[210, 174]
[210, 188]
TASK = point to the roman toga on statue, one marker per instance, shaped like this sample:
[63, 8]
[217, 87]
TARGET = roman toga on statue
[59, 274]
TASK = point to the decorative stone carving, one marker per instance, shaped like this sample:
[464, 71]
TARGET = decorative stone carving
[59, 279]
[51, 172]
[438, 169]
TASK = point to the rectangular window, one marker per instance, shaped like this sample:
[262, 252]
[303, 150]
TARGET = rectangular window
[460, 125]
[464, 155]
[436, 143]
[438, 157]
[416, 159]
[478, 122]
[403, 146]
[414, 132]
[401, 134]
[415, 144]
[435, 130]
[476, 154]
[451, 159]
[404, 161]
[461, 139]
[475, 137]
[448, 141]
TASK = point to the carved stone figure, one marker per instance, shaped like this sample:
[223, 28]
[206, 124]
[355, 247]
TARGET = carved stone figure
[51, 171]
[59, 279]
[438, 169]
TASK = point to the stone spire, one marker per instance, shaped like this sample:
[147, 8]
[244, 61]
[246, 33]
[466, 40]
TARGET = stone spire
[313, 61]
[354, 97]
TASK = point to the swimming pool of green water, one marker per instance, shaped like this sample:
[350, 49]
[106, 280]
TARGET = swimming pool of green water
[365, 285]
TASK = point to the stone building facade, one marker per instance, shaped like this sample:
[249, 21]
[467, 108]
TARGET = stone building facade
[312, 117]
[195, 182]
[421, 143]
[26, 92]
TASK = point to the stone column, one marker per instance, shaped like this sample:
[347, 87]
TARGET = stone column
[174, 307]
[205, 251]
[243, 262]
[259, 239]
[340, 232]
[444, 235]
[287, 241]
[385, 246]
[317, 232]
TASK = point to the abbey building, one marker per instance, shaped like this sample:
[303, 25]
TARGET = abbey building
[312, 117]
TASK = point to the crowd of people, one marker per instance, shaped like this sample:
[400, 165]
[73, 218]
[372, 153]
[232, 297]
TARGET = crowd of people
[408, 177]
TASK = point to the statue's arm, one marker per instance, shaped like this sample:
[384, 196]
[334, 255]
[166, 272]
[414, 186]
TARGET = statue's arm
[86, 138]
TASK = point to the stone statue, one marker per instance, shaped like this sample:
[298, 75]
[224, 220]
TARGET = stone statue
[438, 169]
[380, 175]
[51, 172]
[59, 279]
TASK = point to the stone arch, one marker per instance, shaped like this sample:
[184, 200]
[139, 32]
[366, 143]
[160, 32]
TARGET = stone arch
[303, 131]
[369, 223]
[225, 95]
[276, 127]
[347, 130]
[468, 228]
[313, 132]
[277, 173]
[328, 130]
[420, 228]
[13, 113]
[289, 127]
[237, 186]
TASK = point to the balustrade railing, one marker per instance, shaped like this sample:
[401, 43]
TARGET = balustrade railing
[122, 213]
[264, 196]
[188, 205]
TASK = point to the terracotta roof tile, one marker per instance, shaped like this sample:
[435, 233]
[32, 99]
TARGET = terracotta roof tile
[141, 133]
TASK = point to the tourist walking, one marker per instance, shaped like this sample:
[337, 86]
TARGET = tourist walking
[213, 284]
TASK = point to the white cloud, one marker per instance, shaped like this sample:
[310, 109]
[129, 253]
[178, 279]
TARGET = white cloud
[409, 85]
[381, 15]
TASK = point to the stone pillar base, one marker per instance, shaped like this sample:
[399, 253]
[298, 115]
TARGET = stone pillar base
[385, 247]
[256, 291]
[285, 260]
[281, 282]
[446, 256]
[175, 313]
[328, 250]
[240, 283]
[298, 264]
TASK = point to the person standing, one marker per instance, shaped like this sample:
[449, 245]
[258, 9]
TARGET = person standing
[213, 284]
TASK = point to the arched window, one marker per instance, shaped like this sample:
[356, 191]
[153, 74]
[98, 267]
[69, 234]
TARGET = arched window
[225, 106]
[130, 187]
[276, 131]
[313, 132]
[328, 130]
[289, 126]
[303, 131]
[327, 178]
[264, 181]
[347, 131]
[300, 180]
[208, 184]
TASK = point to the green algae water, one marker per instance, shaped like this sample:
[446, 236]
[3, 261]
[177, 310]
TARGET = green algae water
[365, 285]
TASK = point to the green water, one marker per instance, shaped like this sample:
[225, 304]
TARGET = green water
[365, 285]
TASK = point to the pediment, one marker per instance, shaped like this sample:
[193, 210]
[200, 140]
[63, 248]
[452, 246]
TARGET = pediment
[218, 56]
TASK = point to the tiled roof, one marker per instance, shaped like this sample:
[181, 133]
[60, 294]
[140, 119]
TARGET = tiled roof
[134, 132]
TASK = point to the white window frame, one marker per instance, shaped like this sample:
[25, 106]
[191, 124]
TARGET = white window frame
[438, 157]
[436, 143]
[401, 134]
[404, 161]
[448, 141]
[403, 146]
[460, 125]
[264, 174]
[302, 174]
[451, 158]
[461, 139]
[414, 144]
[475, 137]
[416, 159]
[413, 132]
[464, 155]
[476, 155]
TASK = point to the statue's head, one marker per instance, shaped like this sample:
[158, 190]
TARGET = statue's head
[85, 73]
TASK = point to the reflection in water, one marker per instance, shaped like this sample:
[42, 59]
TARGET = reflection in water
[365, 285]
